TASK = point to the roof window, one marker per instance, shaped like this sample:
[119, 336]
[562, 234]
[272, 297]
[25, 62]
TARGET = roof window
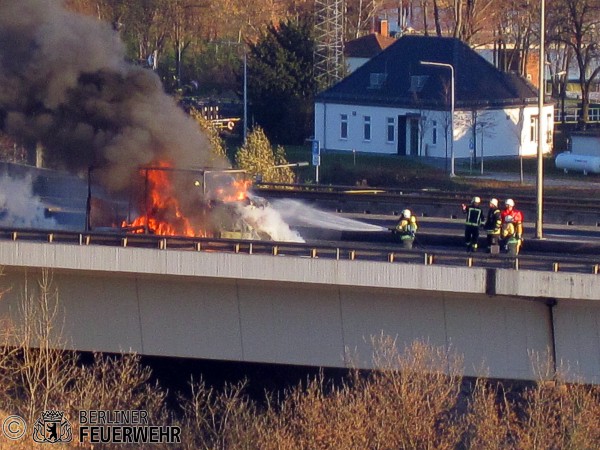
[376, 80]
[417, 82]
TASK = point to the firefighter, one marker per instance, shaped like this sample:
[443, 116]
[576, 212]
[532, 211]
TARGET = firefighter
[472, 223]
[493, 225]
[406, 229]
[517, 218]
[509, 236]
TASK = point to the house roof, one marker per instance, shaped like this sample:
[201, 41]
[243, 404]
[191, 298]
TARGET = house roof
[367, 46]
[386, 79]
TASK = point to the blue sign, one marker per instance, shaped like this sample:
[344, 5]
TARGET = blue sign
[316, 153]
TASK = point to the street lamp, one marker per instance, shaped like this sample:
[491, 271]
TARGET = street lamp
[448, 66]
[540, 150]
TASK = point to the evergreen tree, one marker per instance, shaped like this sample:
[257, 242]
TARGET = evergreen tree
[281, 84]
[259, 159]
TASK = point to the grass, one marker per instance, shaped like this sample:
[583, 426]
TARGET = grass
[403, 172]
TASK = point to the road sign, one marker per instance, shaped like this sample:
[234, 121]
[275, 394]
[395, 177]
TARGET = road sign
[316, 153]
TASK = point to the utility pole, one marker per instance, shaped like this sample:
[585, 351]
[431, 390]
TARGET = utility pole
[540, 148]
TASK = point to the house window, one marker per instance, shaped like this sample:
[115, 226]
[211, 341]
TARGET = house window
[434, 132]
[549, 126]
[390, 129]
[533, 129]
[344, 126]
[367, 128]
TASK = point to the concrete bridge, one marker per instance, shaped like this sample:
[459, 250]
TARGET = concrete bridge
[308, 311]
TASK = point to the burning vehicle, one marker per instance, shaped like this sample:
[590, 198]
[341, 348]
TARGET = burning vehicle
[213, 203]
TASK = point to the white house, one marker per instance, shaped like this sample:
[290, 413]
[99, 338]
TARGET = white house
[396, 104]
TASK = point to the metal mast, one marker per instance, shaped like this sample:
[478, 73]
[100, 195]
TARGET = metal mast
[329, 48]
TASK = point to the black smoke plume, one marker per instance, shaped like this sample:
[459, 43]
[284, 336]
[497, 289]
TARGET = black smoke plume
[65, 84]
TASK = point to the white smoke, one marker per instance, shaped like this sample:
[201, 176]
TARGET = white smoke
[266, 220]
[297, 213]
[19, 207]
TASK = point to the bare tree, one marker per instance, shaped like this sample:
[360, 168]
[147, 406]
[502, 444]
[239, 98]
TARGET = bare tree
[36, 368]
[471, 17]
[359, 16]
[576, 23]
[513, 35]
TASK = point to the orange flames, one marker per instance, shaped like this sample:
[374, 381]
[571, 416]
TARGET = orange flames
[163, 211]
[237, 191]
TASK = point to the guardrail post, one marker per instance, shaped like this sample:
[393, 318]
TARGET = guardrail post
[275, 250]
[51, 237]
[555, 267]
[516, 263]
[469, 262]
[351, 255]
[162, 244]
[88, 239]
[391, 257]
[313, 253]
[595, 269]
[236, 247]
[250, 248]
[337, 253]
[14, 235]
[124, 242]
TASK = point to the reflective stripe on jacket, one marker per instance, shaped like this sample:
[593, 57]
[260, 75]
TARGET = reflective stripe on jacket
[473, 216]
[407, 228]
[493, 223]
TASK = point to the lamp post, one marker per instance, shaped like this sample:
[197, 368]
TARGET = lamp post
[540, 149]
[245, 134]
[451, 67]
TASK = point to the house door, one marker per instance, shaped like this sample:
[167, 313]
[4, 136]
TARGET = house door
[402, 135]
[414, 137]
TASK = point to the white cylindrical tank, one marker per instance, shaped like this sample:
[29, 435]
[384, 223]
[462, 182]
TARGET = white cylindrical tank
[580, 163]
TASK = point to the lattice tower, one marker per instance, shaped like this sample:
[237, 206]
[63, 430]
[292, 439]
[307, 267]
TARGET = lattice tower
[329, 48]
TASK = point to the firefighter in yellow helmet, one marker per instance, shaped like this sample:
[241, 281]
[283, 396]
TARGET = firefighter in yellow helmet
[406, 229]
[510, 236]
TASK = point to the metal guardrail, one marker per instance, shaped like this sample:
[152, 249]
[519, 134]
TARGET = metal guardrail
[302, 250]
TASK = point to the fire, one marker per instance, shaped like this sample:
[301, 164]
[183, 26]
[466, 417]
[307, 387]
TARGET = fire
[237, 191]
[163, 213]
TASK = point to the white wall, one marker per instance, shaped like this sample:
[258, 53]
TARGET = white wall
[500, 136]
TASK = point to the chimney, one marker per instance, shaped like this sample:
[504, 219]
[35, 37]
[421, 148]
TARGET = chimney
[384, 28]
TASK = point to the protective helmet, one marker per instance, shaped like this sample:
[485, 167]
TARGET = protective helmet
[476, 200]
[508, 219]
[494, 202]
[406, 213]
[510, 202]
